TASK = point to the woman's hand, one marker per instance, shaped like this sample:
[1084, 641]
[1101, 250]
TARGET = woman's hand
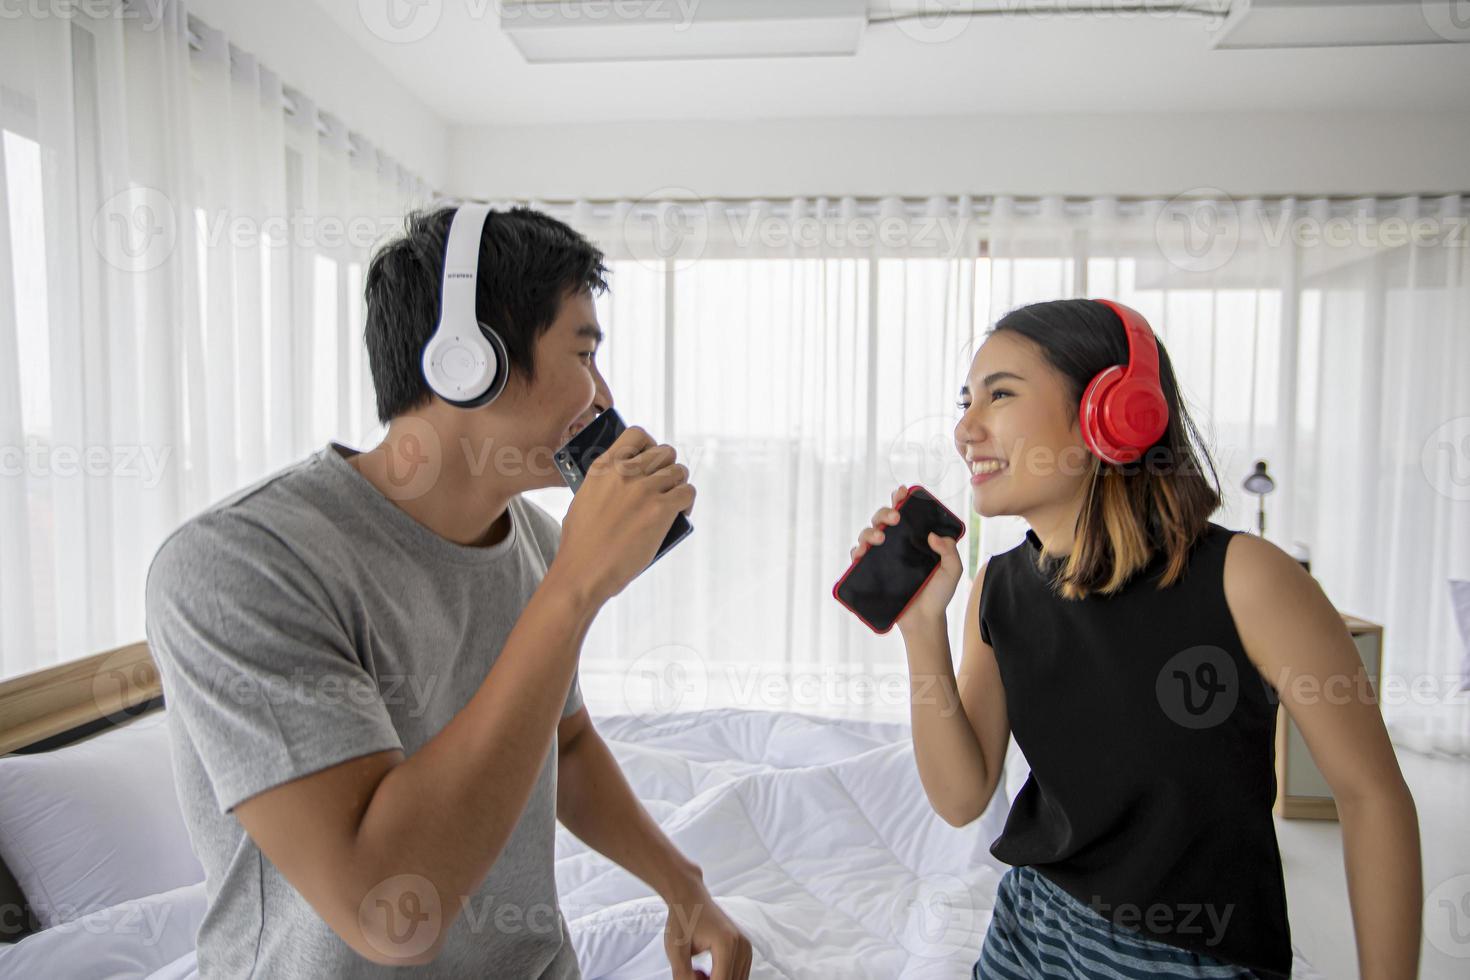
[929, 605]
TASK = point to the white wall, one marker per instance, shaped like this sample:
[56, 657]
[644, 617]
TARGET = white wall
[312, 53]
[1244, 153]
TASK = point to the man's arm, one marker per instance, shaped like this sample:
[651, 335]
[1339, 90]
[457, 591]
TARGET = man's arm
[383, 836]
[383, 832]
[595, 802]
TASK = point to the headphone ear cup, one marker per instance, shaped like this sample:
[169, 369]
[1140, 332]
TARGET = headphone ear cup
[497, 363]
[1090, 415]
[1136, 414]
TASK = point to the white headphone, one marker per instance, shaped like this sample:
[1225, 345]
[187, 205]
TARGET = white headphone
[465, 362]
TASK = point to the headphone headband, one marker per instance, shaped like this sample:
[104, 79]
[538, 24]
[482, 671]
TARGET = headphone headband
[461, 264]
[1143, 349]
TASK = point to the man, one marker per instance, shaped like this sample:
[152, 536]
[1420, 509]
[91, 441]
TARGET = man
[370, 657]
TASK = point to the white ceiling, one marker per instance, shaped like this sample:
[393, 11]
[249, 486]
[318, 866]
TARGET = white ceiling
[468, 72]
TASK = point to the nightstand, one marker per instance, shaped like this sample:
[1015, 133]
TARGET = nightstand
[1301, 789]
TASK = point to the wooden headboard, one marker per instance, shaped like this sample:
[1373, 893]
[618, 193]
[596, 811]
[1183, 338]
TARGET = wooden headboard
[49, 708]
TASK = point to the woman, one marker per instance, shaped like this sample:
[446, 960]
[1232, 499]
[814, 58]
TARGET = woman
[1137, 651]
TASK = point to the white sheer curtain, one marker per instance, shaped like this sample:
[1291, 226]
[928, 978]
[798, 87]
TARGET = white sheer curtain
[802, 378]
[180, 282]
[805, 356]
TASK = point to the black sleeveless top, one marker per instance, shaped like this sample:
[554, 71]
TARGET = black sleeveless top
[1151, 739]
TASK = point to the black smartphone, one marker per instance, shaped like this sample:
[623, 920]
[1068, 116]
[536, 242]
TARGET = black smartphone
[884, 580]
[582, 450]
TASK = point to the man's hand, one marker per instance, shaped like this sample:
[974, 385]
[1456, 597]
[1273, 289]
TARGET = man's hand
[621, 513]
[697, 924]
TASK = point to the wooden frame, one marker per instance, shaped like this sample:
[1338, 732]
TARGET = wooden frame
[62, 703]
[1318, 804]
[102, 687]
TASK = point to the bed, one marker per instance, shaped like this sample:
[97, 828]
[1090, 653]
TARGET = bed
[813, 834]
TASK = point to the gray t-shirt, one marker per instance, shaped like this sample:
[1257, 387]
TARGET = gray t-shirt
[307, 620]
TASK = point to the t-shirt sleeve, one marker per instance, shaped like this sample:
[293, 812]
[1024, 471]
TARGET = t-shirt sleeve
[254, 663]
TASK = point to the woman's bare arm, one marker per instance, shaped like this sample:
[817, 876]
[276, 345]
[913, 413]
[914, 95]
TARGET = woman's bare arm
[1300, 645]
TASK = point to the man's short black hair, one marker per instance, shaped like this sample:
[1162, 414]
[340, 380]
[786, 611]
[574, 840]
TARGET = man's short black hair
[528, 262]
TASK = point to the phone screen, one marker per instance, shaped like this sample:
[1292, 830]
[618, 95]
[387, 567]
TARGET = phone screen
[879, 586]
[582, 450]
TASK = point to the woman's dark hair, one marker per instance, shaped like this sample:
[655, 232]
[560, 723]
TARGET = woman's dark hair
[1160, 502]
[528, 262]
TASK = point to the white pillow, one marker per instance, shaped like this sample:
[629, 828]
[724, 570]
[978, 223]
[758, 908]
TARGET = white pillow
[1460, 600]
[94, 824]
[134, 939]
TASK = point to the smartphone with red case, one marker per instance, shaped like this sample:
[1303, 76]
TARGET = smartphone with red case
[881, 584]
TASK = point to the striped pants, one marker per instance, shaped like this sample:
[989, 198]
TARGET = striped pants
[1041, 931]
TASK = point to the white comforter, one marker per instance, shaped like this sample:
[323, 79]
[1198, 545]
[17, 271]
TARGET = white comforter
[814, 835]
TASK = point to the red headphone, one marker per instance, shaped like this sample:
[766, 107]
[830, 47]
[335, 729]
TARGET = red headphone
[1123, 410]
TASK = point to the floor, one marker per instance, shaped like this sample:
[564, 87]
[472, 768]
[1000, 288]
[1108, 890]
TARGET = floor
[1316, 883]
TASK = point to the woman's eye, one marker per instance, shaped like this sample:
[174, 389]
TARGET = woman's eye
[998, 391]
[963, 406]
